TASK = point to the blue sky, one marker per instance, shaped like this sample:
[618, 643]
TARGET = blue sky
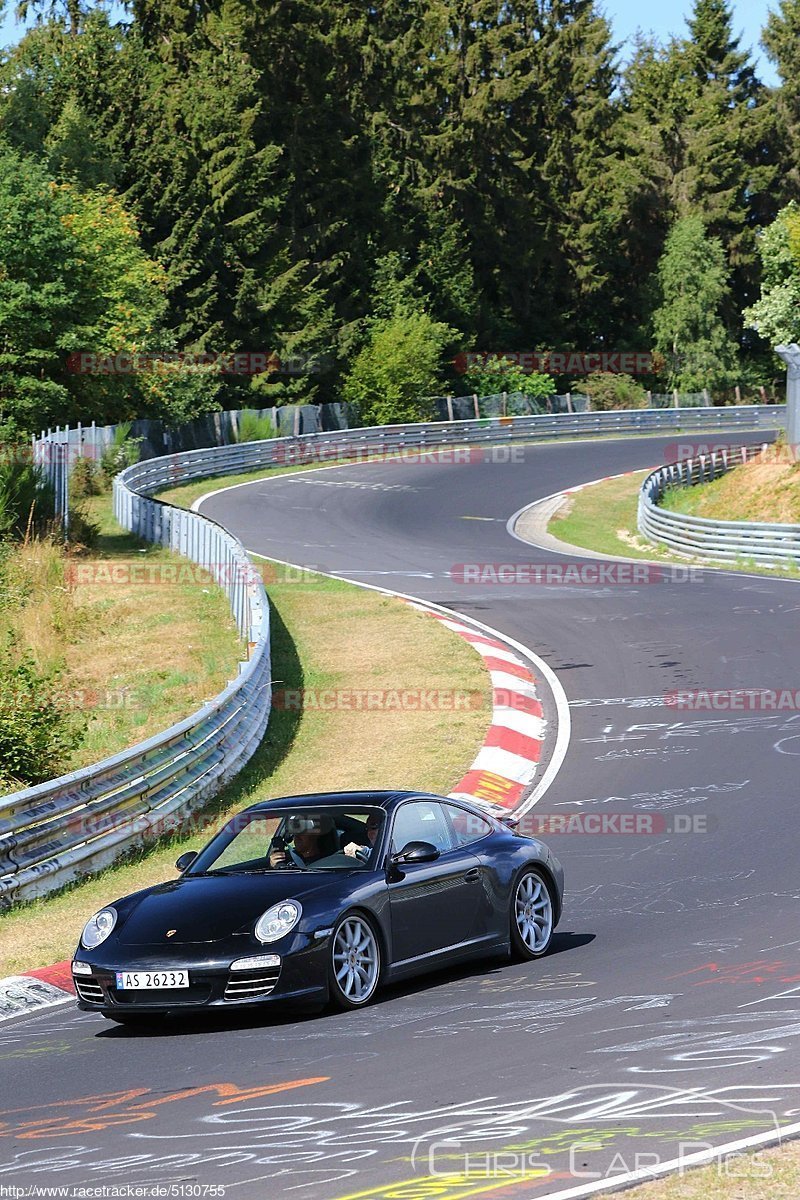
[669, 17]
[626, 16]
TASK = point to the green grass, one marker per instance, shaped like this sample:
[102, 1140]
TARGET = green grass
[603, 518]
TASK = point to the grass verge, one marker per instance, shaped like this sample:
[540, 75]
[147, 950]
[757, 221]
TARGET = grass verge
[763, 1175]
[602, 518]
[331, 642]
[132, 657]
[757, 491]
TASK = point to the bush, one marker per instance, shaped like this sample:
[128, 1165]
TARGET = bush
[27, 502]
[253, 428]
[608, 390]
[501, 375]
[123, 452]
[83, 532]
[37, 731]
[398, 369]
[86, 479]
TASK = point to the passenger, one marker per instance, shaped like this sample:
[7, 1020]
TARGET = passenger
[373, 828]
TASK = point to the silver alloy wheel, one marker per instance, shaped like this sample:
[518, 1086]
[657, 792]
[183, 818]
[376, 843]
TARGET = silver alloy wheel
[356, 960]
[533, 912]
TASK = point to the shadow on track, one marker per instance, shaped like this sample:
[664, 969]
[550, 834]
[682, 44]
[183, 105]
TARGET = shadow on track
[275, 1016]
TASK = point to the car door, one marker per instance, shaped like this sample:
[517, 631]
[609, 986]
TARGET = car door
[434, 906]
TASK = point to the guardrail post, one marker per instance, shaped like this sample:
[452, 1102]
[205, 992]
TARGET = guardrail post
[791, 356]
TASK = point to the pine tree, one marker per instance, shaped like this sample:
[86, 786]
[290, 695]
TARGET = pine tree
[715, 54]
[701, 125]
[781, 40]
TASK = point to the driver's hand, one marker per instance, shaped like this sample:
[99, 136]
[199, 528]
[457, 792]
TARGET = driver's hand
[278, 858]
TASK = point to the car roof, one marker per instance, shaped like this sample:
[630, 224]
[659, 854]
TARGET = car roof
[382, 799]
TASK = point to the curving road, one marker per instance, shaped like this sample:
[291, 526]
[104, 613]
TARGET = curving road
[665, 1019]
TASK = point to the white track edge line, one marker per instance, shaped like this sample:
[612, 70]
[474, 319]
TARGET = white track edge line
[648, 1174]
[580, 551]
[563, 715]
[564, 721]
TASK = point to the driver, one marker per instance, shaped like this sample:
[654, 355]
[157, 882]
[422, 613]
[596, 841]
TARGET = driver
[308, 836]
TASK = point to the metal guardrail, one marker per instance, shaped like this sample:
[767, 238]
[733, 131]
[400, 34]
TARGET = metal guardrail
[58, 831]
[72, 826]
[700, 537]
[343, 445]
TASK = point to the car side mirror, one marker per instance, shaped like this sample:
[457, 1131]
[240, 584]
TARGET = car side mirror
[416, 852]
[186, 860]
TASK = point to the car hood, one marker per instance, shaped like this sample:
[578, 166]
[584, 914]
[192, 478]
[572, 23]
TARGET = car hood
[208, 908]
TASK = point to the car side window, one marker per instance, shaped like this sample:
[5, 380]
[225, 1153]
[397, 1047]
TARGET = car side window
[421, 821]
[467, 827]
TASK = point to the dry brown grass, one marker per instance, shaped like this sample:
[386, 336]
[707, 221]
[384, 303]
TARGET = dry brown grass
[763, 490]
[762, 1175]
[135, 658]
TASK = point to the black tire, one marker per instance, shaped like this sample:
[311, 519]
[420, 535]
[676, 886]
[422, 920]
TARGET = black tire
[532, 916]
[355, 961]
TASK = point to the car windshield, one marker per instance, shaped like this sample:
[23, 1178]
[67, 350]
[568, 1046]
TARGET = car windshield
[301, 838]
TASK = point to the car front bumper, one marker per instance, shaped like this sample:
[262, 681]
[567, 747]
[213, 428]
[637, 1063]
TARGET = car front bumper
[301, 974]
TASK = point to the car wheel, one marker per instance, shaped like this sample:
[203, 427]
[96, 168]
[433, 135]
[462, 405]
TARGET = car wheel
[355, 966]
[531, 916]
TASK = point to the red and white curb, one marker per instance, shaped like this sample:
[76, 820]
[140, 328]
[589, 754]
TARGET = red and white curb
[41, 988]
[507, 762]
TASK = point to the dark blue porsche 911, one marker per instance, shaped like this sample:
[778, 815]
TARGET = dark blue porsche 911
[323, 897]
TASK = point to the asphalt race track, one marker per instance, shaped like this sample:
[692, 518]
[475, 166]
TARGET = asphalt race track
[666, 1017]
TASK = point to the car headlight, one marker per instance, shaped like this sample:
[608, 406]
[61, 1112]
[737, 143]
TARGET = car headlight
[98, 927]
[278, 921]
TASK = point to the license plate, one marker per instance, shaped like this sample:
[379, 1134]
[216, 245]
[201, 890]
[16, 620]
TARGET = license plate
[151, 980]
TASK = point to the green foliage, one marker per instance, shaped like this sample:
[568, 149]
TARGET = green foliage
[86, 478]
[703, 140]
[776, 315]
[399, 366]
[74, 279]
[608, 390]
[502, 375]
[688, 326]
[255, 428]
[37, 730]
[26, 499]
[123, 452]
[208, 178]
[781, 40]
